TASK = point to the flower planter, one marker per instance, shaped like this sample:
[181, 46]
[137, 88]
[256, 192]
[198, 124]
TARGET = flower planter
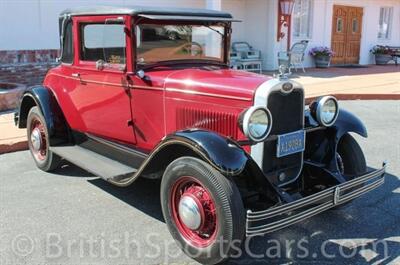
[322, 61]
[9, 95]
[382, 59]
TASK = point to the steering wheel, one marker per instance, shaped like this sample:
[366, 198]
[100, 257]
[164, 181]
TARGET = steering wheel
[192, 48]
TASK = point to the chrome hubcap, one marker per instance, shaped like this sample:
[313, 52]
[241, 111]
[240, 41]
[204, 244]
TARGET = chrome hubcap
[189, 213]
[36, 139]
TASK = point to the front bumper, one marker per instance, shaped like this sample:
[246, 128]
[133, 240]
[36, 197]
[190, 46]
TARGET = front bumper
[275, 218]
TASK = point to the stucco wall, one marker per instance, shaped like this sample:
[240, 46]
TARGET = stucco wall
[259, 26]
[322, 31]
[33, 24]
[29, 39]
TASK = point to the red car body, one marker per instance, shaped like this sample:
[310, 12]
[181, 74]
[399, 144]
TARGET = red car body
[96, 102]
[237, 153]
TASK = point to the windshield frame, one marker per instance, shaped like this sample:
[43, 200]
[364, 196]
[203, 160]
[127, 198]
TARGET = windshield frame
[225, 42]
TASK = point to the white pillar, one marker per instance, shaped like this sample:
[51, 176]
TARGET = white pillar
[214, 4]
[212, 38]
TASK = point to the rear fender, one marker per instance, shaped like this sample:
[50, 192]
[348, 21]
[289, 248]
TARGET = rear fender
[56, 124]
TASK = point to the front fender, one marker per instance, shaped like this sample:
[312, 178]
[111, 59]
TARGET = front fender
[348, 122]
[345, 123]
[55, 121]
[223, 153]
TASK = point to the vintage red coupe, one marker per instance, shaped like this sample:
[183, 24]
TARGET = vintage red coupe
[147, 92]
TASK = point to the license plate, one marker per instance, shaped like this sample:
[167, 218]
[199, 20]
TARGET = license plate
[290, 143]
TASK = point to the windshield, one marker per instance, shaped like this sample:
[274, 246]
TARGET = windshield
[158, 43]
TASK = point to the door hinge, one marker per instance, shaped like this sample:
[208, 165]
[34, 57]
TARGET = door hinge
[126, 84]
[130, 123]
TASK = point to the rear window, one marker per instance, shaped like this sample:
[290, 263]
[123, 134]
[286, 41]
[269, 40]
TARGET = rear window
[103, 42]
[67, 49]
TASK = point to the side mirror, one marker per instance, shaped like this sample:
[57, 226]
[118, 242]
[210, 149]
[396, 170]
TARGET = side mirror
[100, 64]
[141, 74]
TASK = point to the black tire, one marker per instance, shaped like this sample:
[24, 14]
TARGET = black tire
[353, 161]
[230, 218]
[50, 160]
[352, 156]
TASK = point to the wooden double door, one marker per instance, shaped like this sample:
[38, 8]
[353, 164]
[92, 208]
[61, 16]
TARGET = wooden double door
[346, 34]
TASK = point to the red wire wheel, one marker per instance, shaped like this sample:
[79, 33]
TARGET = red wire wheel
[194, 212]
[37, 140]
[203, 209]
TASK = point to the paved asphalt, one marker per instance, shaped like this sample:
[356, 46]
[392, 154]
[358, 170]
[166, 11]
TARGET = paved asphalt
[72, 217]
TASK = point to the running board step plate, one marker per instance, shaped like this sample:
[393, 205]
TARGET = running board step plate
[94, 163]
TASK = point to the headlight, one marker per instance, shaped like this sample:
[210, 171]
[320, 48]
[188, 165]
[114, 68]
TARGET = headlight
[256, 123]
[325, 110]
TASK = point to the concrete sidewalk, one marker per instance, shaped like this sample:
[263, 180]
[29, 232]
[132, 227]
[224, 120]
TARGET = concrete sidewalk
[373, 82]
[11, 138]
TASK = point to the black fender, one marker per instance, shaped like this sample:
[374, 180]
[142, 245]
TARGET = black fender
[345, 123]
[44, 98]
[348, 122]
[223, 153]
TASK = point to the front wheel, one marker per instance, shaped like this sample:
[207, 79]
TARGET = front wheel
[203, 210]
[350, 158]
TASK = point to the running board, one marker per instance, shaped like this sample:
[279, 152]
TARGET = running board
[93, 162]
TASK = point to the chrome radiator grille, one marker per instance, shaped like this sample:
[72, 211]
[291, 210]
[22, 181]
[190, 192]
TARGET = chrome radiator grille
[288, 116]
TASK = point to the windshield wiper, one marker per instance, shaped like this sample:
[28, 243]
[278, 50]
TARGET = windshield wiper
[181, 62]
[221, 34]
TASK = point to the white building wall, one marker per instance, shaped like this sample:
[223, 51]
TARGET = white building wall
[322, 25]
[259, 26]
[33, 24]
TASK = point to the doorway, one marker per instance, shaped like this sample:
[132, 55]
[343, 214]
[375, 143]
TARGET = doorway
[346, 34]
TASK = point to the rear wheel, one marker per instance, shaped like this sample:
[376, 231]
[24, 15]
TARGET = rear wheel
[203, 210]
[38, 141]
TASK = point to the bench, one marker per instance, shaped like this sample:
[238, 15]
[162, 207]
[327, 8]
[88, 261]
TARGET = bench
[244, 57]
[395, 53]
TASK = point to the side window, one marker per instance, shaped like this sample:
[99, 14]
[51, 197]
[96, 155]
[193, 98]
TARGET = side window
[67, 51]
[302, 18]
[103, 42]
[385, 22]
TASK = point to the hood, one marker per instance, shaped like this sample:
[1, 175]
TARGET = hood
[226, 82]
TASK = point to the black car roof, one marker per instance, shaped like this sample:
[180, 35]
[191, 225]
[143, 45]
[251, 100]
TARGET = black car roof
[145, 10]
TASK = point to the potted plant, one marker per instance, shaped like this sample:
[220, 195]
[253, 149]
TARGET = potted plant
[322, 56]
[382, 54]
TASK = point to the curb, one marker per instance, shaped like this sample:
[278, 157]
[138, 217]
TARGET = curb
[358, 97]
[23, 145]
[14, 147]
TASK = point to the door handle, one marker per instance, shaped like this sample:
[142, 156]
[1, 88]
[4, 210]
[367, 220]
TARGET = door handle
[77, 75]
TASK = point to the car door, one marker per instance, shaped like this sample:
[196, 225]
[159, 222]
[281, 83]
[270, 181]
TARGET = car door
[101, 93]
